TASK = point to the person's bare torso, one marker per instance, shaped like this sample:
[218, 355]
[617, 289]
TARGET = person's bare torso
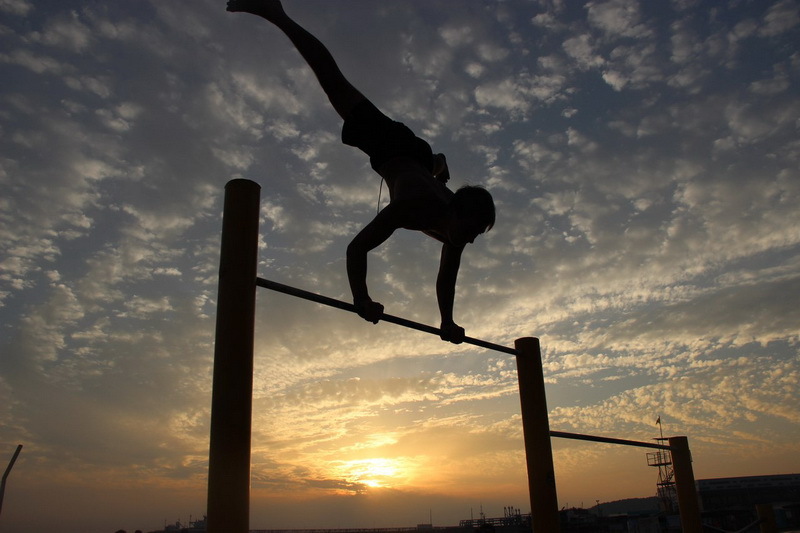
[412, 185]
[407, 178]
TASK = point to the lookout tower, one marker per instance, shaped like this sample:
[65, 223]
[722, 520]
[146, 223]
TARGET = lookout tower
[665, 486]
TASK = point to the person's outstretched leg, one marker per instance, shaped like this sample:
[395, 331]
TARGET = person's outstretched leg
[341, 93]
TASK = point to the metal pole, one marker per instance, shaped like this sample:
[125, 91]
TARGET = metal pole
[338, 304]
[7, 472]
[536, 430]
[607, 440]
[232, 396]
[688, 504]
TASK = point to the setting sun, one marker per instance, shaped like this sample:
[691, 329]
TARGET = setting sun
[375, 473]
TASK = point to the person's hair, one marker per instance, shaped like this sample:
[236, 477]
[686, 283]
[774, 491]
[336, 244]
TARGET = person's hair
[474, 202]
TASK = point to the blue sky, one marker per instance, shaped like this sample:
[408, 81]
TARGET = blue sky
[644, 161]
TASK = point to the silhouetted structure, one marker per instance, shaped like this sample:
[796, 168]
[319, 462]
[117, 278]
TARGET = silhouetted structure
[229, 456]
[731, 503]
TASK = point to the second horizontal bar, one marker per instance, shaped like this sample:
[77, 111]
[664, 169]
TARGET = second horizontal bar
[608, 440]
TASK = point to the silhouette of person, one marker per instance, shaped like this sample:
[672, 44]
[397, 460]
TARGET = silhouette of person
[416, 178]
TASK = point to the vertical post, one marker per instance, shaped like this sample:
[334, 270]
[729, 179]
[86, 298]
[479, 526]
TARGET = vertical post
[232, 395]
[766, 514]
[7, 472]
[688, 504]
[536, 430]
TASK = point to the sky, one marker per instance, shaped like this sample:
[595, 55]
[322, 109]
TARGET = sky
[643, 157]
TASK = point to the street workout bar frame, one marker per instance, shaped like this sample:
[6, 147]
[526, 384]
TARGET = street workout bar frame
[232, 394]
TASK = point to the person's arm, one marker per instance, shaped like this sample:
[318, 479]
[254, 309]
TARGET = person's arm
[373, 235]
[446, 292]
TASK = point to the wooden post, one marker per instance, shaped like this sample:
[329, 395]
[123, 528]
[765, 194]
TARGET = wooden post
[767, 516]
[7, 472]
[232, 396]
[536, 430]
[688, 503]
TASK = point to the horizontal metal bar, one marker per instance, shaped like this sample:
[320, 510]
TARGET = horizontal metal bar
[608, 440]
[324, 300]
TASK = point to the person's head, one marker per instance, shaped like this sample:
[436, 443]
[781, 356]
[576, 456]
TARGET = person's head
[473, 209]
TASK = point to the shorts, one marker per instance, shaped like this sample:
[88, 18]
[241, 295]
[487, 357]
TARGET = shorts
[382, 138]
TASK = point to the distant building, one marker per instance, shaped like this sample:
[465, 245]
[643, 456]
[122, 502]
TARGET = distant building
[730, 502]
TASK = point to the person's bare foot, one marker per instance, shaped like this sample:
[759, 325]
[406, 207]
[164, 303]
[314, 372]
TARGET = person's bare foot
[268, 9]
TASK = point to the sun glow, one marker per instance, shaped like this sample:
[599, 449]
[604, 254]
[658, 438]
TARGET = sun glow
[375, 473]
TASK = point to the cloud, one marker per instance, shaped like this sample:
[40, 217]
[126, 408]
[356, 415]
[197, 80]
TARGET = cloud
[40, 64]
[580, 49]
[65, 32]
[633, 66]
[617, 18]
[780, 17]
[519, 95]
[742, 314]
[16, 7]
